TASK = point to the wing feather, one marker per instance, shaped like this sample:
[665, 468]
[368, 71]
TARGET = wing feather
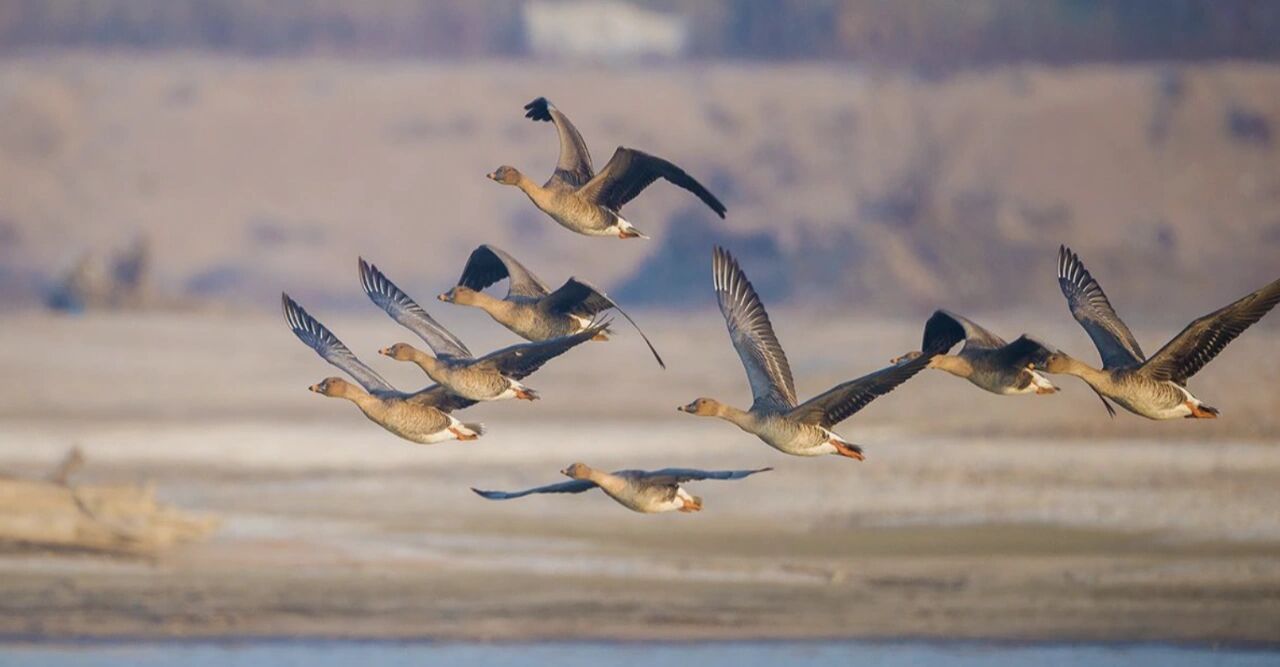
[519, 361]
[752, 334]
[630, 171]
[571, 486]
[309, 330]
[1091, 308]
[581, 298]
[839, 403]
[1204, 338]
[387, 296]
[573, 168]
[488, 264]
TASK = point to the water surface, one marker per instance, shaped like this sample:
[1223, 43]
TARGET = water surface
[726, 654]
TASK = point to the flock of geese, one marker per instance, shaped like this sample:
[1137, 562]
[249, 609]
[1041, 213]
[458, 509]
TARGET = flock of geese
[555, 321]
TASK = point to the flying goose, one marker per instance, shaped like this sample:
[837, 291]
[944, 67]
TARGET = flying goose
[587, 202]
[493, 377]
[421, 417]
[531, 310]
[989, 362]
[1155, 387]
[637, 490]
[774, 416]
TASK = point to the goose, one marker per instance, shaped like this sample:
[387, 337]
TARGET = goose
[493, 377]
[531, 310]
[989, 362]
[587, 202]
[1155, 387]
[422, 417]
[774, 416]
[647, 492]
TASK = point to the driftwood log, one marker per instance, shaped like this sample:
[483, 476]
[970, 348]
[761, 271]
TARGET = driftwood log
[117, 519]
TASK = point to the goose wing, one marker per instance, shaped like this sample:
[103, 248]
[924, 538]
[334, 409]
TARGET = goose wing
[837, 404]
[439, 398]
[974, 335]
[518, 361]
[408, 313]
[581, 298]
[488, 264]
[752, 334]
[1204, 338]
[571, 486]
[668, 476]
[630, 171]
[573, 169]
[1025, 350]
[317, 337]
[1090, 307]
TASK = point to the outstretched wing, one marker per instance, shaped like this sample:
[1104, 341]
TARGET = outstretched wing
[578, 297]
[317, 337]
[630, 171]
[573, 169]
[840, 402]
[975, 336]
[677, 475]
[1204, 338]
[752, 334]
[1090, 307]
[408, 313]
[837, 404]
[571, 486]
[521, 360]
[488, 264]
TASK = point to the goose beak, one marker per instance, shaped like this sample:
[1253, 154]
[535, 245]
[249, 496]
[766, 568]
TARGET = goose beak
[386, 351]
[684, 408]
[315, 388]
[491, 176]
[443, 297]
[565, 472]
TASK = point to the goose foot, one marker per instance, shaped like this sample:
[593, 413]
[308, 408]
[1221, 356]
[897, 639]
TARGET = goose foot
[601, 337]
[526, 394]
[1201, 411]
[462, 435]
[1046, 390]
[692, 505]
[846, 449]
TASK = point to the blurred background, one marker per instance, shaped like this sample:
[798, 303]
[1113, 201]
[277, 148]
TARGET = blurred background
[168, 167]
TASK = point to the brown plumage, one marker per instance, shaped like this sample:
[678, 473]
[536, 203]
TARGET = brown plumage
[590, 203]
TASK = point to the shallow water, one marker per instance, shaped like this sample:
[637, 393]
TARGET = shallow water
[734, 654]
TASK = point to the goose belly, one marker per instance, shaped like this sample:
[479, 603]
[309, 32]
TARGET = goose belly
[481, 385]
[1154, 400]
[797, 439]
[417, 424]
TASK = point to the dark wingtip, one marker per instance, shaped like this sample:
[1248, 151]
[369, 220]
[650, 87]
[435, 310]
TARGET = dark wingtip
[538, 109]
[941, 333]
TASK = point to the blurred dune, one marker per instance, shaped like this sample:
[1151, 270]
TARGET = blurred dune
[862, 187]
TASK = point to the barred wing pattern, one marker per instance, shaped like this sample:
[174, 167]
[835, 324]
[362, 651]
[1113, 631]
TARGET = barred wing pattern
[387, 296]
[309, 330]
[752, 334]
[1204, 338]
[1091, 308]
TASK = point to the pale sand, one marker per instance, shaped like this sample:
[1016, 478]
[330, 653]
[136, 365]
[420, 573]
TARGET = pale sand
[334, 528]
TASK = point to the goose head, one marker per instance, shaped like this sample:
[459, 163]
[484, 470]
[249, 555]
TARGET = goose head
[505, 175]
[333, 386]
[702, 407]
[577, 471]
[460, 295]
[401, 352]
